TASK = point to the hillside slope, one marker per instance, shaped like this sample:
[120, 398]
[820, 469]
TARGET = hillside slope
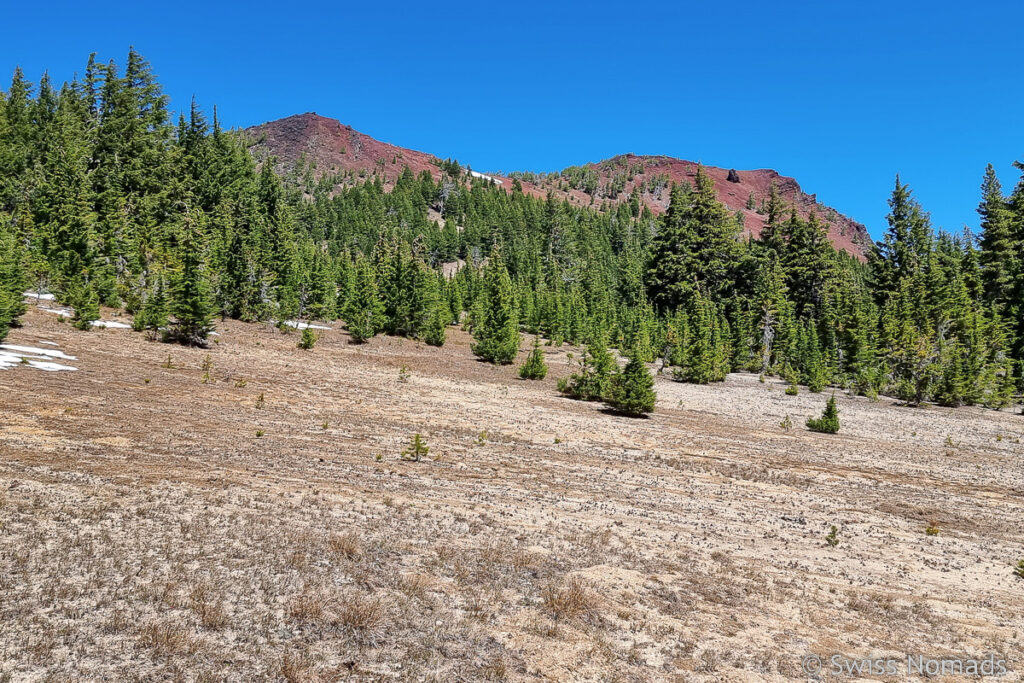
[331, 147]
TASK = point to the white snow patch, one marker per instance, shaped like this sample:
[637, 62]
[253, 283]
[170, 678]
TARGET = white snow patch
[111, 324]
[32, 350]
[39, 295]
[485, 177]
[49, 343]
[299, 325]
[11, 360]
[62, 312]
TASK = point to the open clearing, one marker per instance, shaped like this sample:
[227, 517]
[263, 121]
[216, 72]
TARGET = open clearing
[148, 533]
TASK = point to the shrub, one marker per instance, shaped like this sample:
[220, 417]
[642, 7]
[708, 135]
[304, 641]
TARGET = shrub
[792, 390]
[417, 450]
[832, 538]
[631, 391]
[308, 339]
[1019, 569]
[534, 367]
[828, 423]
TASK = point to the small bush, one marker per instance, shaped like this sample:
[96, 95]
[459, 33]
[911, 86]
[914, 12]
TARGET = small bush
[828, 423]
[260, 433]
[631, 391]
[403, 373]
[417, 450]
[308, 340]
[534, 367]
[792, 390]
[832, 538]
[207, 369]
[1019, 569]
[932, 529]
[786, 424]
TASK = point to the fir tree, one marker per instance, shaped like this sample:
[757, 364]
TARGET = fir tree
[534, 367]
[828, 423]
[189, 300]
[153, 315]
[496, 334]
[631, 390]
[596, 366]
[365, 312]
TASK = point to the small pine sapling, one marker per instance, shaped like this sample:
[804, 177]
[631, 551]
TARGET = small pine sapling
[308, 339]
[417, 449]
[828, 423]
[534, 367]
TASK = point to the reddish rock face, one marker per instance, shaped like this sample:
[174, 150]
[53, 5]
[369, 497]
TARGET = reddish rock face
[332, 148]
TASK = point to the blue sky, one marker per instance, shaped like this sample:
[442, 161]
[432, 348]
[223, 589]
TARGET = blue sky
[840, 95]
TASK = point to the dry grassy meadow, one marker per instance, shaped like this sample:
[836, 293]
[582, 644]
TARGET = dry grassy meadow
[149, 533]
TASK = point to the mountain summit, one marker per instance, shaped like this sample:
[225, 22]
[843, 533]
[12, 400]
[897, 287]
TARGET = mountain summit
[328, 146]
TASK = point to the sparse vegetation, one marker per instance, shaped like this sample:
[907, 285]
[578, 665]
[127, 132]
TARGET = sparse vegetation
[832, 538]
[309, 339]
[828, 423]
[534, 367]
[417, 449]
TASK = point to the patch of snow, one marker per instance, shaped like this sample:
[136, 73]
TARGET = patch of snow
[111, 324]
[62, 312]
[39, 295]
[12, 360]
[299, 325]
[51, 353]
[50, 367]
[49, 343]
[485, 177]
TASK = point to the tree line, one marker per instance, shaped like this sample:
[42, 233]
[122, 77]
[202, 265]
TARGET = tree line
[109, 199]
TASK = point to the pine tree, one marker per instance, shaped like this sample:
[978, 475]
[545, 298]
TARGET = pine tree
[190, 304]
[365, 312]
[13, 280]
[497, 333]
[631, 390]
[534, 367]
[153, 315]
[308, 339]
[596, 366]
[998, 245]
[828, 423]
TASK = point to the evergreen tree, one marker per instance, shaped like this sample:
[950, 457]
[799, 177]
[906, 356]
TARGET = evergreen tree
[365, 312]
[590, 382]
[828, 423]
[534, 367]
[153, 316]
[189, 302]
[497, 333]
[998, 247]
[631, 390]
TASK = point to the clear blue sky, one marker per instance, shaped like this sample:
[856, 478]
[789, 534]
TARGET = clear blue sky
[840, 95]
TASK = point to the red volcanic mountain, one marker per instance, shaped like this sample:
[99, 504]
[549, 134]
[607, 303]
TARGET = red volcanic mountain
[331, 147]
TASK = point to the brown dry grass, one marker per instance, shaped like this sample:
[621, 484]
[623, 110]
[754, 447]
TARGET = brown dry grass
[147, 534]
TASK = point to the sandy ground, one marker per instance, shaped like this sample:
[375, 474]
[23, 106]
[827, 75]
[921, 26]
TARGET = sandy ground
[149, 533]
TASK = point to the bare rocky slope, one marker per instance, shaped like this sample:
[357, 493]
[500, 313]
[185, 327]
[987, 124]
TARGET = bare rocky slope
[331, 147]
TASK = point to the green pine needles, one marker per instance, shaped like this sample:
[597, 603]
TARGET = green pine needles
[496, 334]
[828, 423]
[631, 390]
[308, 340]
[534, 367]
